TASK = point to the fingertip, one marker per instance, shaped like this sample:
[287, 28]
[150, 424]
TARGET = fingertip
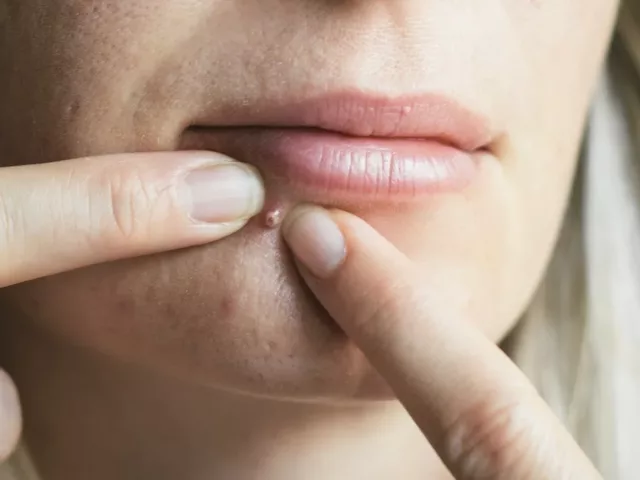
[315, 239]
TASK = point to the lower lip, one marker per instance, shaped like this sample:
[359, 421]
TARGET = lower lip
[334, 167]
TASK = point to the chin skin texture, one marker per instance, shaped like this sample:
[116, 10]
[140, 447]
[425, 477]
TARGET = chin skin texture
[87, 77]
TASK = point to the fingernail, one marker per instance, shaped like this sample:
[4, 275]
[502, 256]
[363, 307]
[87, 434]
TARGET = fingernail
[316, 240]
[225, 192]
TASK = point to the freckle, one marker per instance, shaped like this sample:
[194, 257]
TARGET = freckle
[273, 218]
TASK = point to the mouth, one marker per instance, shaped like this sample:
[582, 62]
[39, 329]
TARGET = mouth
[352, 147]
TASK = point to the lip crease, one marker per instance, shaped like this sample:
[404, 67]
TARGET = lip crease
[354, 147]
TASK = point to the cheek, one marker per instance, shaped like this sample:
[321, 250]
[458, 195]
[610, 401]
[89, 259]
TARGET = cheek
[72, 74]
[546, 125]
[485, 251]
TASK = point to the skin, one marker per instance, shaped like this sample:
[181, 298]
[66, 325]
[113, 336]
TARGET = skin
[486, 420]
[223, 346]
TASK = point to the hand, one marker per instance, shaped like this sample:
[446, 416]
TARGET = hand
[62, 216]
[478, 411]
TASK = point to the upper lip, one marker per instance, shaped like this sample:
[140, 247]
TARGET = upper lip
[428, 116]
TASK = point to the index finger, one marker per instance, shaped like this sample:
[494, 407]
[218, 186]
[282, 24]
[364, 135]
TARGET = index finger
[479, 412]
[60, 216]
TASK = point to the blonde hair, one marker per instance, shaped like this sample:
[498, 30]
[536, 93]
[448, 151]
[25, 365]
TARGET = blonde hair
[579, 341]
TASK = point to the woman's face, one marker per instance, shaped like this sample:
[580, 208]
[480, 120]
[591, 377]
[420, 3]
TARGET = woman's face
[87, 77]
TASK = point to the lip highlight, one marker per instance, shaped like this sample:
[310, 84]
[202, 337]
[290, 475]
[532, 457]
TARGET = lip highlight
[355, 148]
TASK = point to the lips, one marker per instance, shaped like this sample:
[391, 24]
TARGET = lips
[351, 147]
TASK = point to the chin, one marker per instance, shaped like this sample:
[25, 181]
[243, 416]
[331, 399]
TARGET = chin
[232, 316]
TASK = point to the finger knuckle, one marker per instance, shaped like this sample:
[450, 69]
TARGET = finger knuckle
[9, 221]
[131, 201]
[11, 238]
[489, 440]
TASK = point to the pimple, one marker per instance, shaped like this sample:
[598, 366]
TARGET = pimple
[273, 218]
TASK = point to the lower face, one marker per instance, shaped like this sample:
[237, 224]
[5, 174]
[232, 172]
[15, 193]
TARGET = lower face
[89, 77]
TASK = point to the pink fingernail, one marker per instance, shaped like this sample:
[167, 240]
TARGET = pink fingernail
[316, 240]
